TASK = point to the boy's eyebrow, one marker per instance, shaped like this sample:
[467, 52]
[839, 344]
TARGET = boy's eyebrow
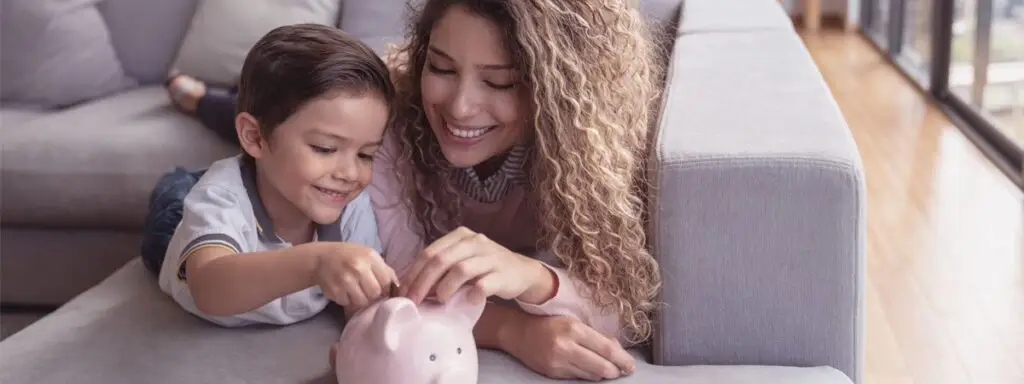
[378, 143]
[439, 52]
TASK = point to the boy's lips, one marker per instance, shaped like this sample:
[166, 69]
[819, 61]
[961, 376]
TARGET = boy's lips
[332, 195]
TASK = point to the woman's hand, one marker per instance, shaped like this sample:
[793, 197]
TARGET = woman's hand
[564, 348]
[465, 257]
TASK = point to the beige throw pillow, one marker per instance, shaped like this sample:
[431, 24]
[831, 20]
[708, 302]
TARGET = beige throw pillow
[223, 31]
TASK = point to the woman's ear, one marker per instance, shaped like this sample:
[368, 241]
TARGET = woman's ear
[249, 136]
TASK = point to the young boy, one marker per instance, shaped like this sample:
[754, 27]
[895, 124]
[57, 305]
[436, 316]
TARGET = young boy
[274, 234]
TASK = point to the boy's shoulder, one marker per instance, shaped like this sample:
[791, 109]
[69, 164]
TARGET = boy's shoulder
[222, 187]
[224, 174]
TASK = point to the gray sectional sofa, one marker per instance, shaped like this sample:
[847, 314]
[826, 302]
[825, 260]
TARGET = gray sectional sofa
[757, 220]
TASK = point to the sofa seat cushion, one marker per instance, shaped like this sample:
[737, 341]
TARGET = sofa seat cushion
[15, 115]
[94, 165]
[733, 15]
[126, 331]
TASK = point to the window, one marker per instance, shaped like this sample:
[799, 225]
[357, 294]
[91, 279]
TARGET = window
[968, 54]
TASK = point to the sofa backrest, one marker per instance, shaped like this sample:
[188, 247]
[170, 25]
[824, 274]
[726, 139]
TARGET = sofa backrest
[146, 34]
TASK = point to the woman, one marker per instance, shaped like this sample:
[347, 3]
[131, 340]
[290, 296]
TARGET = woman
[516, 166]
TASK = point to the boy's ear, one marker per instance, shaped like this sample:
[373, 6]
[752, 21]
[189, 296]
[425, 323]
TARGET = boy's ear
[249, 135]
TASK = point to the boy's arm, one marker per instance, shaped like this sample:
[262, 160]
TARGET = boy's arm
[212, 271]
[225, 283]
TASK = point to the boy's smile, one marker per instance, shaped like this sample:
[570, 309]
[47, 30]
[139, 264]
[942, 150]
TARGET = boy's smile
[319, 159]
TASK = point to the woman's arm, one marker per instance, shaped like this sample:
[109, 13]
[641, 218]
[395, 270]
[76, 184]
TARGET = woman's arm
[571, 298]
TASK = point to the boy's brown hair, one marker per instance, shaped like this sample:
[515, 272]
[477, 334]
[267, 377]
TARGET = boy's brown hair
[294, 64]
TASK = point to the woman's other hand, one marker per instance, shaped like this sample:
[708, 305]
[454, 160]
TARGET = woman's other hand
[466, 257]
[564, 348]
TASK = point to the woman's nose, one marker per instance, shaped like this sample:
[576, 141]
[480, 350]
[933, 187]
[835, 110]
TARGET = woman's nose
[465, 103]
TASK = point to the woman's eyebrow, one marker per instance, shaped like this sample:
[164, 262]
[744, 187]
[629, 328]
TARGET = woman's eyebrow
[439, 52]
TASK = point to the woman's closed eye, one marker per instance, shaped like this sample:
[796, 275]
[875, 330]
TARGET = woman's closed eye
[436, 69]
[500, 86]
[493, 84]
[321, 149]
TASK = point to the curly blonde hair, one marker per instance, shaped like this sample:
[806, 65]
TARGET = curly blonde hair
[593, 70]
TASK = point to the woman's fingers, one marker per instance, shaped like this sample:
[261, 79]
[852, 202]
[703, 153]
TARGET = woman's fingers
[609, 350]
[429, 253]
[596, 366]
[447, 241]
[484, 287]
[576, 372]
[462, 272]
[435, 267]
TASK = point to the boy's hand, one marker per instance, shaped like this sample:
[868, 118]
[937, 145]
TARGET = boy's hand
[350, 274]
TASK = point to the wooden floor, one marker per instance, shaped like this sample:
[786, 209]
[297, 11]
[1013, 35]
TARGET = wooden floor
[945, 293]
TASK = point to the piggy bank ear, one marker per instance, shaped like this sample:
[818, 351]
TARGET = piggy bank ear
[460, 304]
[391, 318]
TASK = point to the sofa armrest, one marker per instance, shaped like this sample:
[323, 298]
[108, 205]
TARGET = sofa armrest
[757, 217]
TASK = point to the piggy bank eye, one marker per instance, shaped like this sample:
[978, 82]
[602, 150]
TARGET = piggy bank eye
[458, 350]
[433, 357]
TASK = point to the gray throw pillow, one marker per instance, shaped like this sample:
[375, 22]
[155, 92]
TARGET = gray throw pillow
[54, 53]
[223, 31]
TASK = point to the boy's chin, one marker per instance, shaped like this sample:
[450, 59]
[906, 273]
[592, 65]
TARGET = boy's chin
[324, 215]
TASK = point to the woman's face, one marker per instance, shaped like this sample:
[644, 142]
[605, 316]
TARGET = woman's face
[471, 97]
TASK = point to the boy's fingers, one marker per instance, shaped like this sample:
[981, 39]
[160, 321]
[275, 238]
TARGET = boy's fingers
[354, 291]
[370, 287]
[385, 278]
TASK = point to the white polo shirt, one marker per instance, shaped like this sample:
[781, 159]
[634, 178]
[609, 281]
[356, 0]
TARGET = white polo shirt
[223, 209]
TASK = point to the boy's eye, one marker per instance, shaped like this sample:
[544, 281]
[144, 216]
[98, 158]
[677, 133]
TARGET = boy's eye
[366, 156]
[320, 149]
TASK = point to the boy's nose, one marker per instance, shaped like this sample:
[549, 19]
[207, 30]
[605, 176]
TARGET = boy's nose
[346, 173]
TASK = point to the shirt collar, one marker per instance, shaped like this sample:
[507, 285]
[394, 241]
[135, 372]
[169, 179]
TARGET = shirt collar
[264, 226]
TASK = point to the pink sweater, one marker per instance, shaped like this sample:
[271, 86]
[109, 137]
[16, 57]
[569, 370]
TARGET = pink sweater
[510, 222]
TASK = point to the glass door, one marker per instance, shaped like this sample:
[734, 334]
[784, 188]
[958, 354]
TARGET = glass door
[968, 55]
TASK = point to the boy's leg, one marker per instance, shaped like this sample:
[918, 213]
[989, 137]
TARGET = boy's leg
[214, 107]
[216, 110]
[165, 211]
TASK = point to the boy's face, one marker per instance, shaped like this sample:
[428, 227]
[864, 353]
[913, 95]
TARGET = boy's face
[320, 158]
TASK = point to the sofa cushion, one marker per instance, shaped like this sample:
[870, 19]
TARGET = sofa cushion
[377, 23]
[146, 34]
[733, 15]
[11, 116]
[94, 165]
[223, 31]
[126, 331]
[56, 53]
[661, 15]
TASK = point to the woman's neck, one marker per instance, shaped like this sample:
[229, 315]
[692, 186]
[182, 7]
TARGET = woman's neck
[490, 166]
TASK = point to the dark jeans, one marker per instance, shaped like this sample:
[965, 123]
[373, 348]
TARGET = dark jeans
[216, 110]
[165, 210]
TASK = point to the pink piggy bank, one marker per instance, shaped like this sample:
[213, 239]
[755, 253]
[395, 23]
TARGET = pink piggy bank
[394, 341]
